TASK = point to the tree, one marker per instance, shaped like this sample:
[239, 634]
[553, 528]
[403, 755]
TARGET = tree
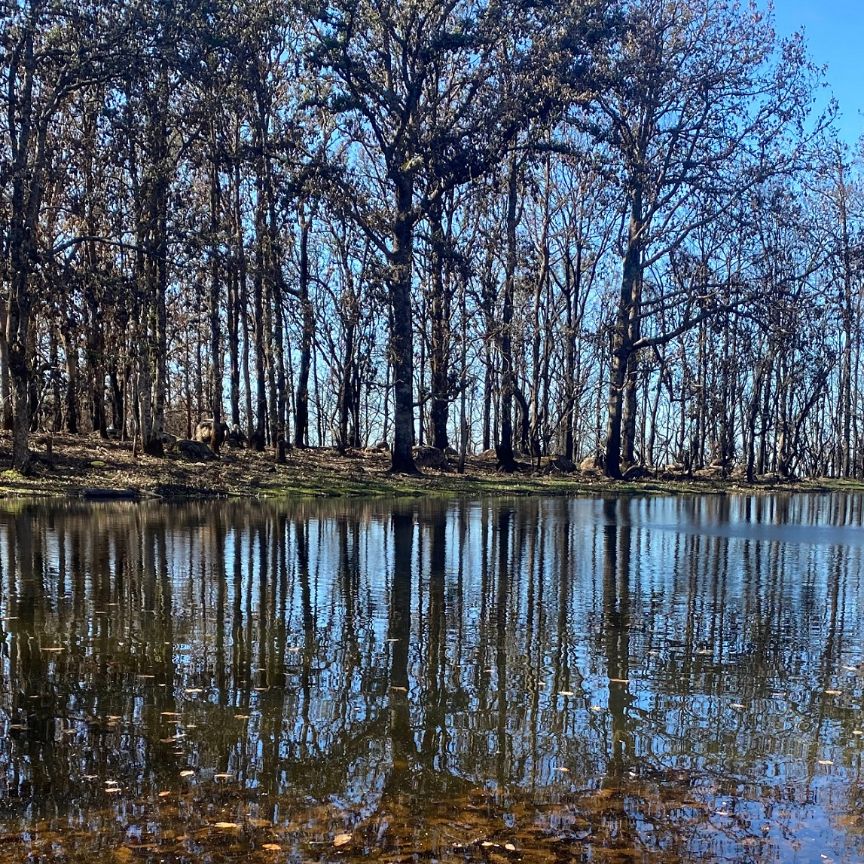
[700, 106]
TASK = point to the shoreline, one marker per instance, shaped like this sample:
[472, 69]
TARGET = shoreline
[89, 468]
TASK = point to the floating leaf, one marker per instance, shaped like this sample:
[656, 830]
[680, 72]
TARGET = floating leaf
[187, 773]
[566, 693]
[272, 847]
[826, 762]
[834, 692]
[223, 776]
[341, 839]
[509, 847]
[226, 826]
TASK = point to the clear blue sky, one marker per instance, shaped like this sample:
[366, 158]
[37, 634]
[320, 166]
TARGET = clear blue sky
[834, 30]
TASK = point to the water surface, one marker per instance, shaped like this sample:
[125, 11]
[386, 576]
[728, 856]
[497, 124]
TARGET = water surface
[659, 679]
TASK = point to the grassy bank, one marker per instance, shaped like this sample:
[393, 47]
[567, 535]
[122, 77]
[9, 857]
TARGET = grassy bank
[85, 466]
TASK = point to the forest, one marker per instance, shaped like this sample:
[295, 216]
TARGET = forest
[625, 230]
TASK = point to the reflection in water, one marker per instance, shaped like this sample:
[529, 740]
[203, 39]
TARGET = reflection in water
[576, 679]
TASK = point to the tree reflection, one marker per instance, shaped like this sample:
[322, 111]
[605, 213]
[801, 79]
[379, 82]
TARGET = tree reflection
[378, 667]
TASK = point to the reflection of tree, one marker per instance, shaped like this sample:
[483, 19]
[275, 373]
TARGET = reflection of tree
[282, 614]
[616, 622]
[403, 751]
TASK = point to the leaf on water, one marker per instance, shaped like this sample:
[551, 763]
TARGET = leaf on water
[226, 826]
[341, 839]
[170, 714]
[223, 776]
[596, 708]
[487, 843]
[738, 706]
[619, 680]
[187, 773]
[563, 770]
[826, 762]
[192, 691]
[509, 847]
[850, 668]
[241, 716]
[566, 693]
[272, 847]
[858, 732]
[146, 677]
[164, 794]
[400, 689]
[53, 649]
[834, 692]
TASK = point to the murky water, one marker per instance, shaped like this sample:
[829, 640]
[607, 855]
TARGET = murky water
[539, 680]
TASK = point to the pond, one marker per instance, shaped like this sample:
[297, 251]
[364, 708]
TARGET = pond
[544, 680]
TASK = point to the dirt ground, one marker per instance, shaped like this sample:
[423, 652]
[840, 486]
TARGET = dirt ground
[87, 466]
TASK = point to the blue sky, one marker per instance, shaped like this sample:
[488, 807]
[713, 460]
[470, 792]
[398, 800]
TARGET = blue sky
[835, 35]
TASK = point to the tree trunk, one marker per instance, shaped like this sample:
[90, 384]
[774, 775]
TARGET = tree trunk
[439, 342]
[401, 332]
[504, 446]
[622, 345]
[301, 416]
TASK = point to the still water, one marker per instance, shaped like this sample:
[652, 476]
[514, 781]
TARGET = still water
[664, 679]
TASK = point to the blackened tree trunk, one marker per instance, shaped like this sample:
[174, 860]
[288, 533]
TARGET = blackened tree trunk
[439, 343]
[401, 327]
[622, 344]
[504, 446]
[301, 417]
[215, 300]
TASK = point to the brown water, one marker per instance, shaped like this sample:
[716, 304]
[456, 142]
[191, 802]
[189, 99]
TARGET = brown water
[551, 680]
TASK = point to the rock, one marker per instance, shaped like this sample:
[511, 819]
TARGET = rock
[429, 457]
[636, 472]
[559, 465]
[709, 473]
[95, 494]
[236, 438]
[195, 451]
[592, 464]
[208, 433]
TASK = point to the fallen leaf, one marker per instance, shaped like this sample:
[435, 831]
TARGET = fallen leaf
[341, 839]
[226, 826]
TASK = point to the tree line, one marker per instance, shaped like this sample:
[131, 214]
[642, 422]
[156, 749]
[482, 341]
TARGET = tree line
[598, 227]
